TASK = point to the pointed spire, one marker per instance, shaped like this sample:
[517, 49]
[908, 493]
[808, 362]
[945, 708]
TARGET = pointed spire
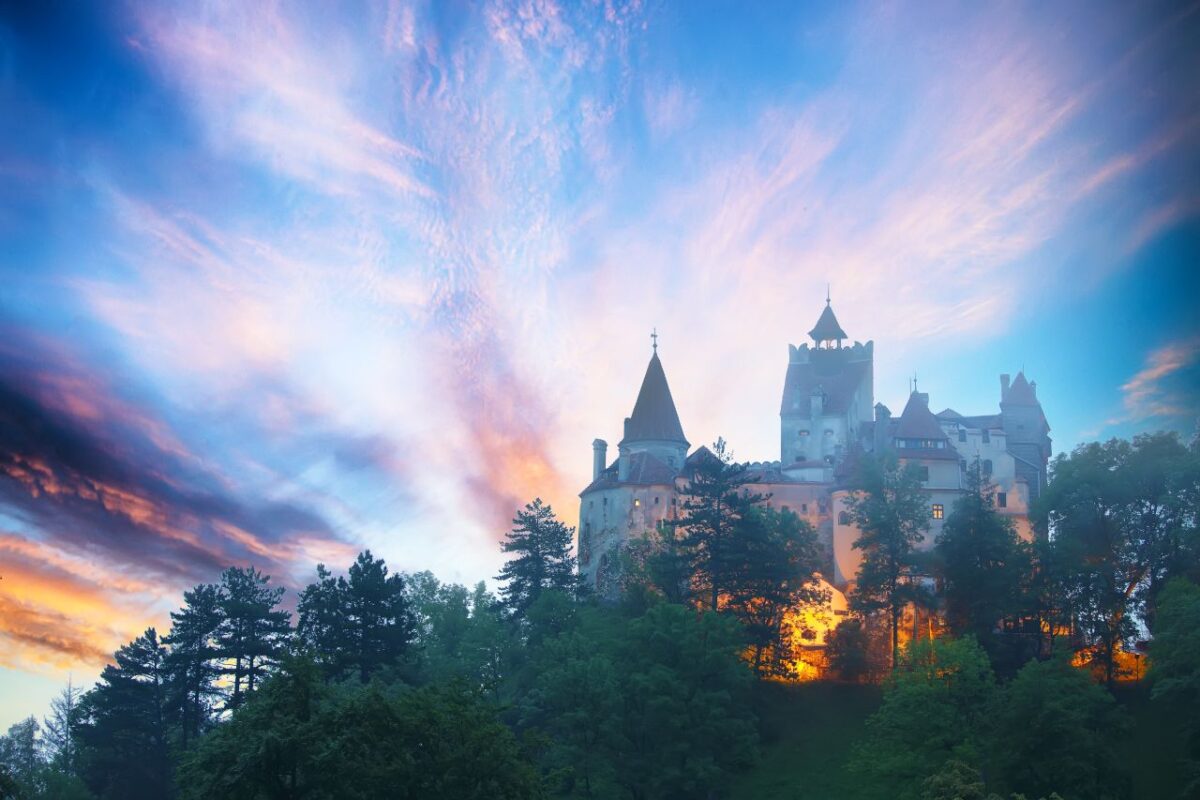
[654, 339]
[827, 328]
[917, 421]
[654, 417]
[1021, 392]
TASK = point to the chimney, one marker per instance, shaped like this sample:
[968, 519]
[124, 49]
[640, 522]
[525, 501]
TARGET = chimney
[599, 456]
[1003, 387]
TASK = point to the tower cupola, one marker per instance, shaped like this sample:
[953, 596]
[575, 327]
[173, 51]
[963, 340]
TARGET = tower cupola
[827, 332]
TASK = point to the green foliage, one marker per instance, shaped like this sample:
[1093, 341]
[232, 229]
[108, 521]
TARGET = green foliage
[252, 632]
[193, 661]
[889, 510]
[983, 567]
[123, 728]
[1057, 730]
[300, 737]
[539, 549]
[1124, 520]
[934, 706]
[1175, 667]
[653, 707]
[356, 625]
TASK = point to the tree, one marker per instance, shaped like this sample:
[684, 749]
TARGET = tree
[62, 747]
[321, 629]
[1124, 516]
[193, 660]
[715, 503]
[858, 649]
[21, 751]
[123, 728]
[1057, 730]
[1175, 666]
[380, 624]
[299, 737]
[773, 560]
[983, 568]
[891, 515]
[935, 706]
[539, 548]
[253, 632]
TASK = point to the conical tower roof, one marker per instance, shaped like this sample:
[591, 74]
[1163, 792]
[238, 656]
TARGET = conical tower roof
[654, 417]
[827, 326]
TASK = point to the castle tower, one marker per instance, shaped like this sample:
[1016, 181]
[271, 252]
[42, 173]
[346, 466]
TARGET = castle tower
[654, 426]
[827, 396]
[1026, 429]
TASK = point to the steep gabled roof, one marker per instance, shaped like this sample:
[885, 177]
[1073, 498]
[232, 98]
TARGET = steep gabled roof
[654, 417]
[917, 421]
[827, 326]
[645, 469]
[1021, 393]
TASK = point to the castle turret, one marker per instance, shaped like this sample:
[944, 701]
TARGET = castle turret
[827, 331]
[653, 427]
[1026, 429]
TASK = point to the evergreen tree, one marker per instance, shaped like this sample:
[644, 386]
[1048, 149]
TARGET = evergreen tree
[715, 505]
[773, 559]
[539, 549]
[123, 727]
[983, 568]
[321, 629]
[253, 632]
[193, 660]
[21, 751]
[379, 623]
[62, 747]
[890, 512]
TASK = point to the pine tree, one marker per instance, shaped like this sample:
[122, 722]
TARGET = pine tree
[715, 505]
[61, 745]
[379, 623]
[253, 632]
[891, 515]
[321, 622]
[193, 662]
[21, 751]
[123, 725]
[540, 558]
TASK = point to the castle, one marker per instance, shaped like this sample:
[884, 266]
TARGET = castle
[827, 420]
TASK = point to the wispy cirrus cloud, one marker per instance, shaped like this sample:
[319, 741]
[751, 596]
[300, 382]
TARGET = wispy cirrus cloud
[1167, 388]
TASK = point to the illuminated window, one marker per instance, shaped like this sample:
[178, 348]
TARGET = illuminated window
[1002, 499]
[637, 503]
[939, 511]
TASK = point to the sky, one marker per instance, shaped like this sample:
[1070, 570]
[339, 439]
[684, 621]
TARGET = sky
[282, 281]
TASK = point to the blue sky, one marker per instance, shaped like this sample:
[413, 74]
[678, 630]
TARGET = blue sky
[281, 281]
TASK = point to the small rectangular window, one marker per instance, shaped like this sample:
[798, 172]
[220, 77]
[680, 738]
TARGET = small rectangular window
[1002, 499]
[924, 473]
[655, 499]
[962, 434]
[939, 511]
[804, 507]
[636, 503]
[987, 436]
[987, 466]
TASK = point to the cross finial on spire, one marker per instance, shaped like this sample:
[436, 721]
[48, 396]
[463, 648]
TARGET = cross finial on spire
[654, 339]
[914, 381]
[827, 294]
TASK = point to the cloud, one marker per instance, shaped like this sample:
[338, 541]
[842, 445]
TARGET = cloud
[1166, 388]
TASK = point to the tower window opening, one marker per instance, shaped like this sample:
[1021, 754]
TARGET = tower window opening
[844, 518]
[656, 498]
[802, 432]
[1002, 499]
[637, 503]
